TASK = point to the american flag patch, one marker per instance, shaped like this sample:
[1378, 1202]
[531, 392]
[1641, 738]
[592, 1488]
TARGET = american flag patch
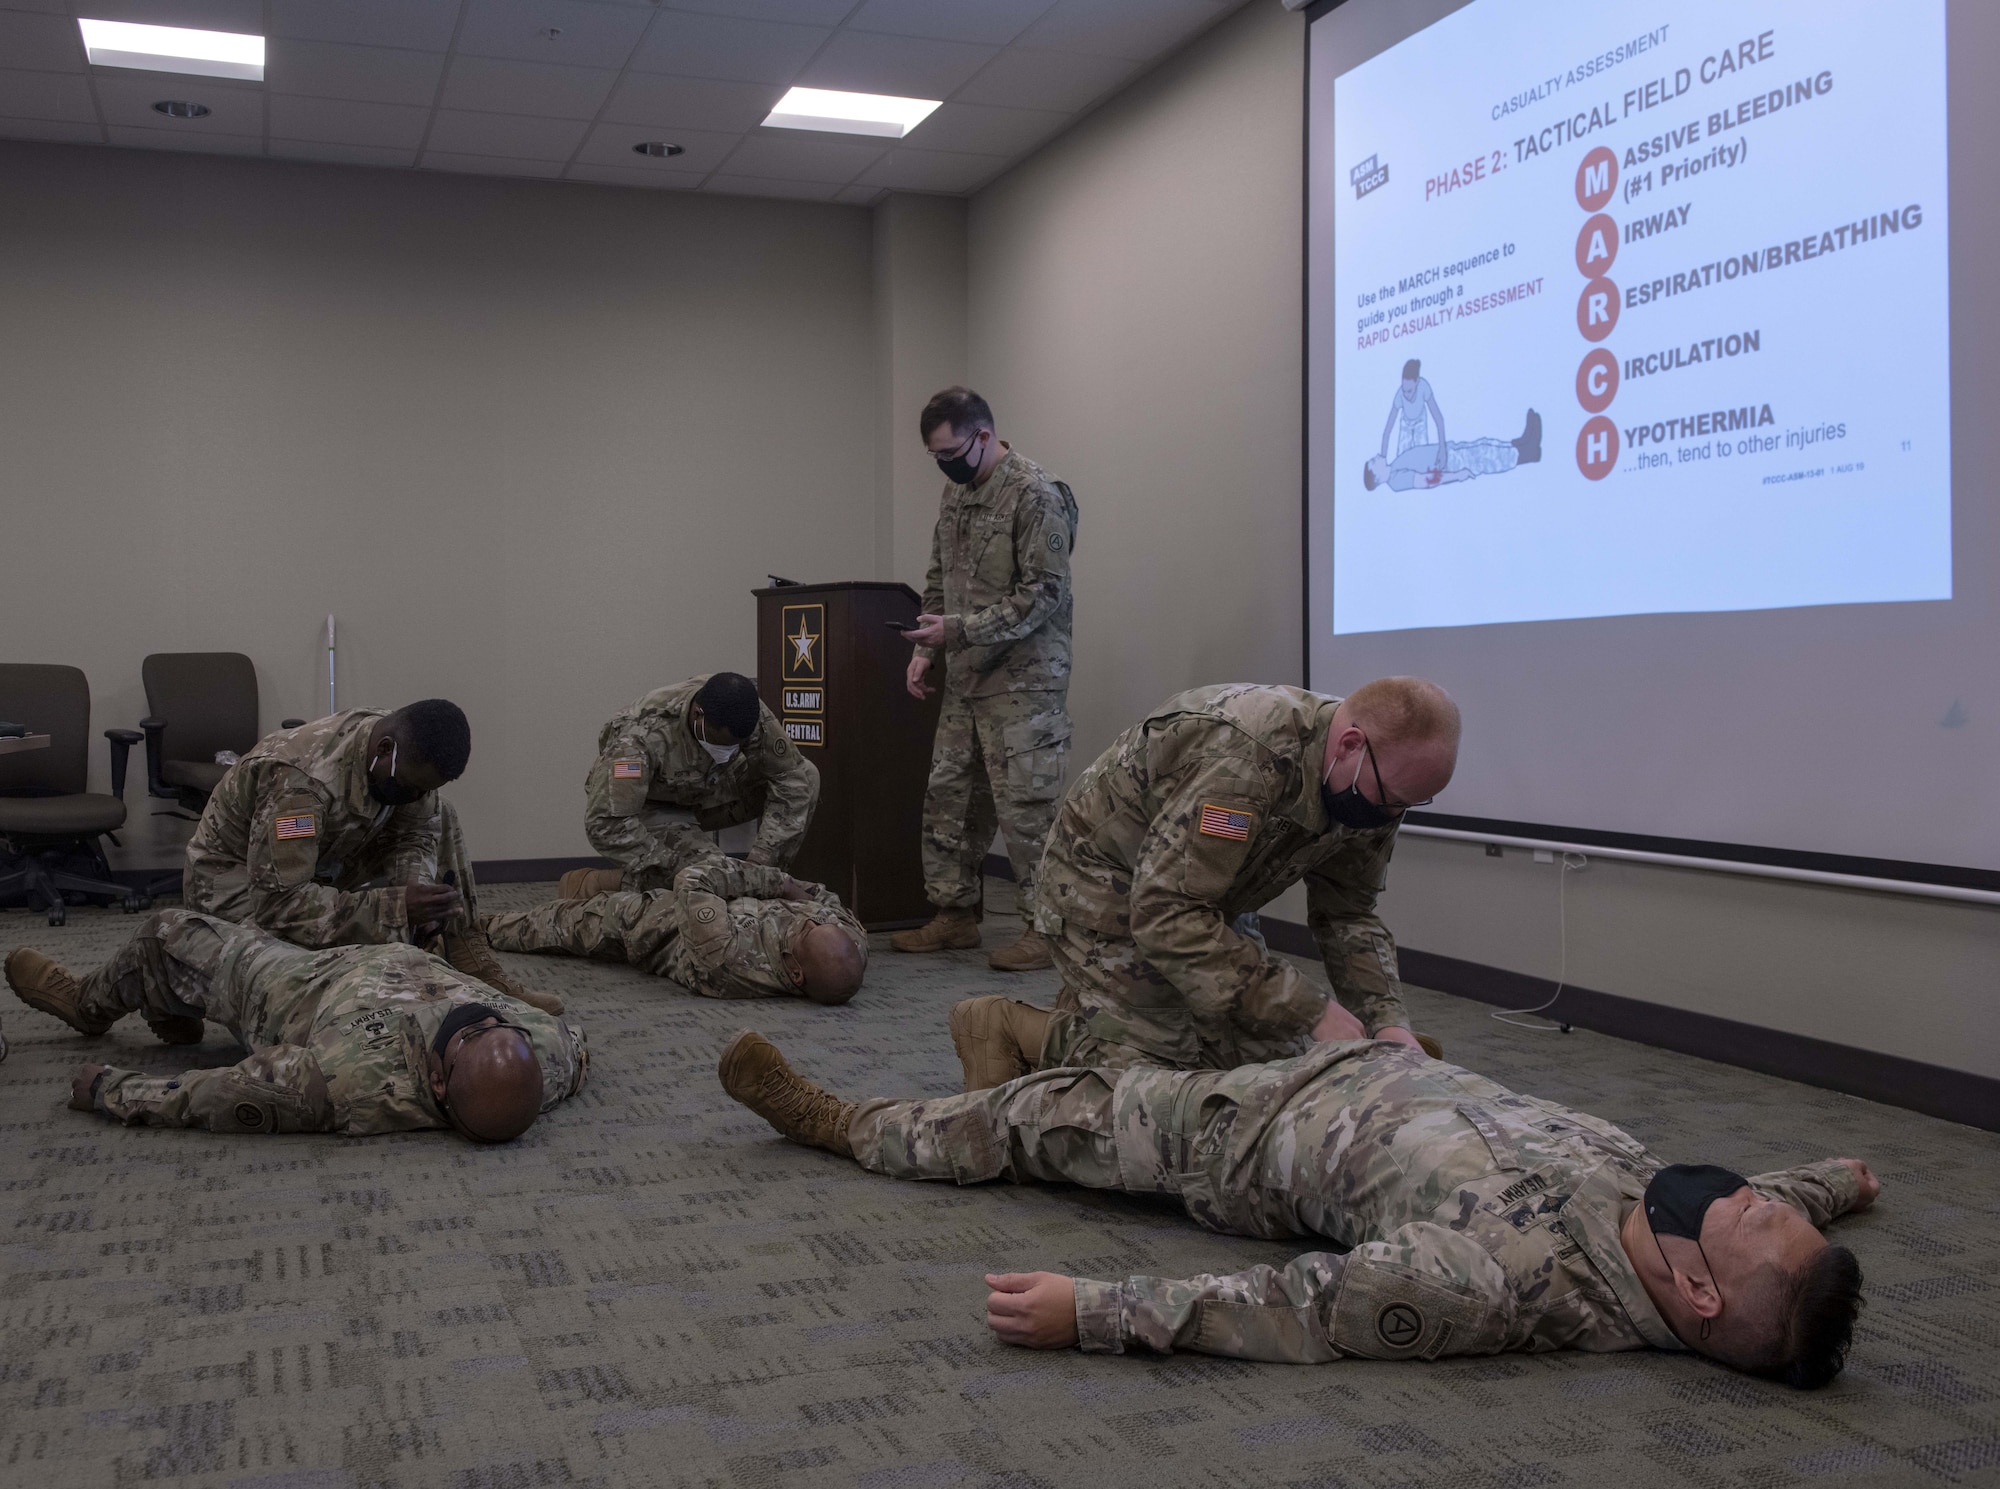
[297, 827]
[1221, 822]
[627, 770]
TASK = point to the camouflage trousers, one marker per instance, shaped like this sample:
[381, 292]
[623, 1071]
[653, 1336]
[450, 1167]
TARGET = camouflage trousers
[1117, 1010]
[184, 965]
[997, 764]
[624, 925]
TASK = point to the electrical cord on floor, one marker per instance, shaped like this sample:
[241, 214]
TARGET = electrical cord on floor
[1571, 863]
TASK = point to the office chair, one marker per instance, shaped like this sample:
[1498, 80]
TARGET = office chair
[49, 824]
[198, 703]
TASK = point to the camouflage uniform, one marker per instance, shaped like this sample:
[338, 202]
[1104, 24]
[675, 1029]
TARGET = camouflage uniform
[1000, 576]
[654, 795]
[721, 931]
[291, 834]
[1206, 809]
[1472, 1220]
[338, 1039]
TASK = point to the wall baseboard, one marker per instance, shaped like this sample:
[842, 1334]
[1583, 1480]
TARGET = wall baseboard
[529, 870]
[1934, 1090]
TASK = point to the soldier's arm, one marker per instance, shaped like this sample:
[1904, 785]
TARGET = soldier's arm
[409, 841]
[614, 796]
[712, 963]
[933, 600]
[1424, 1293]
[1041, 579]
[1359, 952]
[277, 892]
[791, 792]
[1184, 867]
[278, 1089]
[1820, 1191]
[725, 878]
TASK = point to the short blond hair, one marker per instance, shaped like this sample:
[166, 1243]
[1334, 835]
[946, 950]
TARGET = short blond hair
[1405, 710]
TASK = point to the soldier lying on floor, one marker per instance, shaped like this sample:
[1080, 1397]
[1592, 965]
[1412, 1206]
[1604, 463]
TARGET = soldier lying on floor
[356, 1039]
[1468, 1220]
[727, 929]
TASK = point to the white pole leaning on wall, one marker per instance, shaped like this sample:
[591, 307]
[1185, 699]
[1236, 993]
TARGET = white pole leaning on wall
[332, 707]
[1721, 866]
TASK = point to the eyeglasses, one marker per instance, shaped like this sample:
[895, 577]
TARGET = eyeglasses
[1382, 792]
[941, 456]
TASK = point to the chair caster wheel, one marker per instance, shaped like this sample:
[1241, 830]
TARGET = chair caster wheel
[132, 904]
[58, 914]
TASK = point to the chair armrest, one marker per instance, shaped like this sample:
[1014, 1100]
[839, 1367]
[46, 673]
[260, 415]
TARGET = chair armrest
[155, 757]
[122, 741]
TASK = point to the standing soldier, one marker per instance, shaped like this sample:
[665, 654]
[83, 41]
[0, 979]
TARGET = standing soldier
[1211, 807]
[679, 764]
[997, 603]
[359, 1040]
[727, 929]
[335, 834]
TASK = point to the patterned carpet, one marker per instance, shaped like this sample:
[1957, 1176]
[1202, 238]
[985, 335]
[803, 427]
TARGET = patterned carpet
[651, 1289]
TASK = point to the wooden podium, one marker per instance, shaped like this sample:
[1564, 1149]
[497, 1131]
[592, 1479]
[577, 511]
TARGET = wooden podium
[831, 669]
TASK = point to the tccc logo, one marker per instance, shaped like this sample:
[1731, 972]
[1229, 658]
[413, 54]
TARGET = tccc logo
[1367, 176]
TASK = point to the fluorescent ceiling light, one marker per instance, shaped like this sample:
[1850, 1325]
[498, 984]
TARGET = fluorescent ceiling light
[205, 54]
[850, 113]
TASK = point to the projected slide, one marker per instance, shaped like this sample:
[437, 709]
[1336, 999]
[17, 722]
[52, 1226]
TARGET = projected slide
[1640, 307]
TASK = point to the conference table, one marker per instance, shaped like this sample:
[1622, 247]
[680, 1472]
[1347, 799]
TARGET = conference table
[24, 742]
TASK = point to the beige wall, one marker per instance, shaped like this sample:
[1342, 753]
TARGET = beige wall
[532, 443]
[1136, 318]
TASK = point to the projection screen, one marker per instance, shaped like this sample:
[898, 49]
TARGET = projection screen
[1648, 409]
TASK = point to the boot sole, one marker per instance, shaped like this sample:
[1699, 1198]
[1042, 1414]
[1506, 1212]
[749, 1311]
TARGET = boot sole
[956, 943]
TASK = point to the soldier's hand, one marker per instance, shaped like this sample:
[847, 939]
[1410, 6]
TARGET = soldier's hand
[793, 890]
[79, 1089]
[758, 857]
[1337, 1023]
[1397, 1034]
[425, 904]
[928, 631]
[1870, 1185]
[914, 678]
[1037, 1309]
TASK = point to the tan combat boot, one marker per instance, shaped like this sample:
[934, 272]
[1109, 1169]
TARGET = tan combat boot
[469, 951]
[755, 1074]
[1029, 954]
[954, 929]
[584, 884]
[997, 1039]
[1431, 1046]
[46, 987]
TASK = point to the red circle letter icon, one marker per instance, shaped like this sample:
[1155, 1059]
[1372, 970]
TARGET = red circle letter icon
[1597, 309]
[1597, 381]
[1597, 246]
[1596, 179]
[1597, 448]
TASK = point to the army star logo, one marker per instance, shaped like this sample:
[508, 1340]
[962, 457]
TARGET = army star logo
[1399, 1325]
[802, 647]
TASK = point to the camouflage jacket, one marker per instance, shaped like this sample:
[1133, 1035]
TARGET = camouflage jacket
[338, 1043]
[648, 757]
[286, 817]
[1205, 809]
[1000, 576]
[735, 930]
[1473, 1220]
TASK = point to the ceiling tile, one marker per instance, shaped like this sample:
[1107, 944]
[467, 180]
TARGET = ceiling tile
[591, 35]
[1135, 29]
[457, 132]
[789, 155]
[931, 170]
[503, 86]
[903, 66]
[201, 144]
[44, 43]
[245, 17]
[331, 69]
[487, 165]
[127, 98]
[1020, 78]
[995, 22]
[611, 145]
[618, 175]
[342, 154]
[420, 25]
[798, 191]
[699, 103]
[982, 129]
[51, 130]
[341, 121]
[704, 46]
[48, 7]
[859, 196]
[805, 12]
[47, 95]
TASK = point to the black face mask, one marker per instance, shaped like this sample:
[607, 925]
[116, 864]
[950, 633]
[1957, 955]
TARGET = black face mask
[1351, 809]
[1679, 1196]
[960, 469]
[388, 791]
[458, 1018]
